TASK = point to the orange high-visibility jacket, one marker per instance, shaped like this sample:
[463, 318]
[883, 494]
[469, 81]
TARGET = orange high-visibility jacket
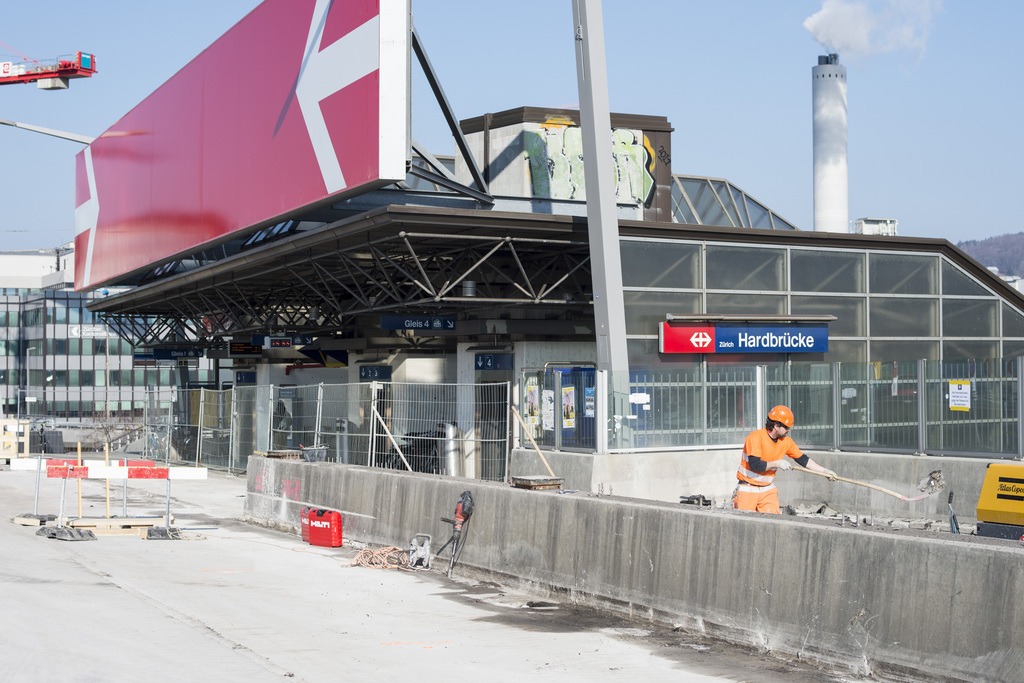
[760, 445]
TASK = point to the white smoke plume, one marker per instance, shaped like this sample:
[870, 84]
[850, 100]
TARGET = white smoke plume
[854, 29]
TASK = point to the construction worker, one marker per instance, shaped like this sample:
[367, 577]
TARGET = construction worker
[765, 452]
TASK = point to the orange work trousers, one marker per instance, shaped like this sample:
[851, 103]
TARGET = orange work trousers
[757, 498]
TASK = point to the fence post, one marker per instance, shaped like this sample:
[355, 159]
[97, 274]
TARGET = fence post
[270, 421]
[170, 430]
[602, 410]
[374, 389]
[233, 422]
[199, 429]
[760, 392]
[1020, 407]
[837, 403]
[510, 427]
[922, 406]
[319, 413]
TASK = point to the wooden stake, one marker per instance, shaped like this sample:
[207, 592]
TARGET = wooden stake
[526, 430]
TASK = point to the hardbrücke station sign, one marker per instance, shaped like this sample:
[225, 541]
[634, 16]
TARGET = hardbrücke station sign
[742, 338]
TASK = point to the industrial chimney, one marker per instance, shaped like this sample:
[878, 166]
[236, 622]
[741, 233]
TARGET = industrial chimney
[831, 186]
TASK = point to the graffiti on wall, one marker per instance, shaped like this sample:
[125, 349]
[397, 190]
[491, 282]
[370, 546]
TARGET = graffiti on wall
[555, 153]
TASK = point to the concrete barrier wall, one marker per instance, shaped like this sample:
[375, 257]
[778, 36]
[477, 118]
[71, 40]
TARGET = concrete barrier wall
[885, 602]
[668, 475]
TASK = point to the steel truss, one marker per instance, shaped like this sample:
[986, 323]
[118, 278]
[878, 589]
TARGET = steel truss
[325, 287]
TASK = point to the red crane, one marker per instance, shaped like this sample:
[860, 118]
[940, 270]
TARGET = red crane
[50, 75]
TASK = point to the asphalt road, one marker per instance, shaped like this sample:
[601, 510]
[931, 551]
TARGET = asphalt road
[234, 602]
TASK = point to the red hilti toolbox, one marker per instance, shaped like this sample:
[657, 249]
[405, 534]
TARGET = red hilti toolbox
[304, 522]
[325, 528]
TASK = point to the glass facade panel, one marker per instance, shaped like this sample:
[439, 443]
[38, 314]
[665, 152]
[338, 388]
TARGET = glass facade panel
[904, 318]
[970, 349]
[708, 207]
[741, 206]
[781, 223]
[759, 216]
[746, 268]
[851, 320]
[882, 351]
[1013, 322]
[1013, 349]
[847, 352]
[753, 304]
[646, 310]
[660, 264]
[643, 354]
[680, 210]
[723, 194]
[904, 274]
[826, 271]
[970, 318]
[956, 283]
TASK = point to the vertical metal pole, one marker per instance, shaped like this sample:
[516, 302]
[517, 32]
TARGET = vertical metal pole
[63, 489]
[606, 420]
[319, 412]
[167, 519]
[232, 429]
[558, 410]
[199, 427]
[761, 406]
[508, 428]
[1020, 407]
[270, 441]
[374, 386]
[837, 403]
[170, 425]
[39, 469]
[922, 406]
[602, 218]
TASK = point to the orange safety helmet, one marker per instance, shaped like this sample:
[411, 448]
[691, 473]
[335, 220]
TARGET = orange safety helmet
[782, 414]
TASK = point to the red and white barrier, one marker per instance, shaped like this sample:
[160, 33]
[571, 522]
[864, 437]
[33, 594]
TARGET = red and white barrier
[118, 469]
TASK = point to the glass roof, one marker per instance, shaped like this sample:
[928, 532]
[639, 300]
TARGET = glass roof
[712, 201]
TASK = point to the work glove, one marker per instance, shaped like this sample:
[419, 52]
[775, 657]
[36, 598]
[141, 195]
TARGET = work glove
[783, 464]
[832, 476]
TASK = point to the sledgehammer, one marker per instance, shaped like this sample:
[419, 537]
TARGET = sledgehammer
[933, 483]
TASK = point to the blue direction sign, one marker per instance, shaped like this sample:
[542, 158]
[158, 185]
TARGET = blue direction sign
[494, 361]
[174, 354]
[370, 373]
[418, 323]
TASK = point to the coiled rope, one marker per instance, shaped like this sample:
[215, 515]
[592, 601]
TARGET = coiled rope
[388, 557]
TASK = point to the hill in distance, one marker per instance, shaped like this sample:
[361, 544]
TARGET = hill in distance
[1005, 252]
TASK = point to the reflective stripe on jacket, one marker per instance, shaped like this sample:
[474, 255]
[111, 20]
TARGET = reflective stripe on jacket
[759, 445]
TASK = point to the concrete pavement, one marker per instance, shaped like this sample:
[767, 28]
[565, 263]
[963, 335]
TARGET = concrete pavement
[238, 602]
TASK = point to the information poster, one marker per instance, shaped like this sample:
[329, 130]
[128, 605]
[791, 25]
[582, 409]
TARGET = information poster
[547, 408]
[532, 402]
[960, 395]
[588, 402]
[569, 407]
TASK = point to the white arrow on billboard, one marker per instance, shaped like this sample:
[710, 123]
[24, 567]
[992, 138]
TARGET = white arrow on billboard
[325, 72]
[87, 216]
[700, 339]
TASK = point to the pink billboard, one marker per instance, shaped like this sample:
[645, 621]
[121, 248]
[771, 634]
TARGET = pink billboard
[301, 102]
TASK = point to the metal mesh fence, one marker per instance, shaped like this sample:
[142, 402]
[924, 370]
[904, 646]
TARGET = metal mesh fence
[448, 429]
[964, 407]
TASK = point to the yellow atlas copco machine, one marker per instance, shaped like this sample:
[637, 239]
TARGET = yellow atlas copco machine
[1001, 503]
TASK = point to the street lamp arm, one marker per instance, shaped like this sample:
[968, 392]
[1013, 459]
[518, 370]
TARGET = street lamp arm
[73, 137]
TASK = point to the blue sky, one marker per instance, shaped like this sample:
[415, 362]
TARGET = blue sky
[935, 101]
